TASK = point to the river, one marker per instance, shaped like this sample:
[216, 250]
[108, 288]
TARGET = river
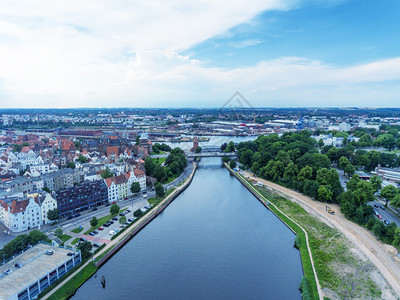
[215, 241]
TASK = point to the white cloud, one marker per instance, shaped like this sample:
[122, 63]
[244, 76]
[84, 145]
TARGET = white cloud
[128, 53]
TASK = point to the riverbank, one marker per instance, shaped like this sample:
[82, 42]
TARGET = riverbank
[67, 287]
[349, 261]
[304, 247]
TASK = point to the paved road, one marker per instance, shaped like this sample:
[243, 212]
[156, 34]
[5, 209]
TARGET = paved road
[385, 213]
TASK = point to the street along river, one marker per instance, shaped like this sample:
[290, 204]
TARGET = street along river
[215, 241]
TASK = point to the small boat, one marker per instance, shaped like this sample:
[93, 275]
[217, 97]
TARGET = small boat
[103, 281]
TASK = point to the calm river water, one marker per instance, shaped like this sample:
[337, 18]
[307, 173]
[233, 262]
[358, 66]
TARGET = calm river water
[215, 241]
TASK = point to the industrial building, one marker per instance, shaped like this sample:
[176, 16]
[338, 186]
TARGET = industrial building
[26, 275]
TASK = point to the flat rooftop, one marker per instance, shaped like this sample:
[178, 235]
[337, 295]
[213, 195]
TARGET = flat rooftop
[35, 264]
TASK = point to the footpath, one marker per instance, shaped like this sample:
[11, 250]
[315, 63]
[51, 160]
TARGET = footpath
[381, 255]
[114, 243]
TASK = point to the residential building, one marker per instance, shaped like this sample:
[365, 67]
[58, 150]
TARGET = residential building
[117, 187]
[87, 195]
[19, 214]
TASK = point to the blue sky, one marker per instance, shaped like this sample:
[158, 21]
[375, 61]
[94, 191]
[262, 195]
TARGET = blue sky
[348, 33]
[198, 53]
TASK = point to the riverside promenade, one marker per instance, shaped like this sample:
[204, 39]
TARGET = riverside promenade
[118, 242]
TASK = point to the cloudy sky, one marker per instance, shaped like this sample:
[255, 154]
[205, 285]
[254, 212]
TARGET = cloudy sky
[157, 53]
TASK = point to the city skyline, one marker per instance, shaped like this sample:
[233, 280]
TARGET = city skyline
[276, 53]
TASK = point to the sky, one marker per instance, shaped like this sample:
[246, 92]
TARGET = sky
[156, 53]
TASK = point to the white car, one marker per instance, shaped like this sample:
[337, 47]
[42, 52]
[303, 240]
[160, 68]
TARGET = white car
[112, 232]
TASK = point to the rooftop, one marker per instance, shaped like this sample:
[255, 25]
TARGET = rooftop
[35, 264]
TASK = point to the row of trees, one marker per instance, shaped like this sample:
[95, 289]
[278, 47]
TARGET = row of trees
[21, 242]
[292, 160]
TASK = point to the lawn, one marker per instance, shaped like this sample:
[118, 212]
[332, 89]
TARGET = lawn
[74, 241]
[64, 237]
[69, 288]
[102, 221]
[159, 160]
[77, 230]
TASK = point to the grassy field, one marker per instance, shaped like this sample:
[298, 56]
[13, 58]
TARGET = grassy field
[77, 230]
[340, 272]
[68, 289]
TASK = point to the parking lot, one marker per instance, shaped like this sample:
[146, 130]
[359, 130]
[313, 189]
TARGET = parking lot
[103, 236]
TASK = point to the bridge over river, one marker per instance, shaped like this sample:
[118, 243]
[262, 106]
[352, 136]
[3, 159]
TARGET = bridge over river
[210, 154]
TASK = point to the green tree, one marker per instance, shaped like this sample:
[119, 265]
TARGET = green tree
[349, 169]
[320, 143]
[395, 202]
[343, 162]
[255, 167]
[290, 172]
[149, 165]
[159, 173]
[198, 149]
[137, 140]
[230, 147]
[52, 214]
[82, 159]
[232, 164]
[70, 165]
[305, 173]
[107, 173]
[122, 220]
[389, 192]
[46, 189]
[85, 248]
[396, 239]
[376, 182]
[94, 222]
[137, 213]
[324, 193]
[114, 209]
[159, 189]
[135, 187]
[58, 232]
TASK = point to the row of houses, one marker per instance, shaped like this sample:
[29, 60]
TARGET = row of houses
[26, 211]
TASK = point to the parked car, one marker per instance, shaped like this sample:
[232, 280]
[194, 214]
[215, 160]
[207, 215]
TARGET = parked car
[130, 220]
[96, 245]
[18, 265]
[112, 232]
[106, 225]
[70, 217]
[70, 253]
[121, 214]
[113, 202]
[82, 239]
[128, 211]
[77, 215]
[115, 219]
[95, 232]
[375, 205]
[49, 252]
[386, 222]
[94, 209]
[382, 207]
[100, 228]
[111, 222]
[376, 213]
[7, 272]
[379, 216]
[108, 204]
[92, 233]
